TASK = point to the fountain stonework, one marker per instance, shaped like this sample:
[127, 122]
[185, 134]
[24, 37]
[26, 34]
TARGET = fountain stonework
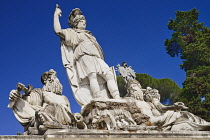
[46, 114]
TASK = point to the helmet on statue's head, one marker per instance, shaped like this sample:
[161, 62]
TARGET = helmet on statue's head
[74, 17]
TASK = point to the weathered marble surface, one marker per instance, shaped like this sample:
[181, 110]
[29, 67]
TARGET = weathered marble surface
[40, 109]
[89, 76]
[21, 137]
[104, 113]
[126, 72]
[126, 135]
[164, 117]
[133, 115]
[113, 114]
[112, 135]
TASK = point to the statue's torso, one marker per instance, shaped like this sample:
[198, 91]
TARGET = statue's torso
[82, 43]
[52, 98]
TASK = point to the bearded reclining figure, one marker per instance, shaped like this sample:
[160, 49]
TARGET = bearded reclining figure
[45, 108]
[165, 117]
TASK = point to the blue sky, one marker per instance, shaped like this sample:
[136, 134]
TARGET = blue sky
[128, 30]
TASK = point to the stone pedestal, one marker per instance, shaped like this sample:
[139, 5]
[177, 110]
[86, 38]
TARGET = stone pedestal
[113, 135]
[22, 137]
[66, 134]
[114, 114]
[126, 135]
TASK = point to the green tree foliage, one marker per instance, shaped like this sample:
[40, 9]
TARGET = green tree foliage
[121, 86]
[168, 89]
[196, 87]
[191, 40]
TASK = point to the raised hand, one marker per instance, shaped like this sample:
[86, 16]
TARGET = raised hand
[58, 10]
[180, 105]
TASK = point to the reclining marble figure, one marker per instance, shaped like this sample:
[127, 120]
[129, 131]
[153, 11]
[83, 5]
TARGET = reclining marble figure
[95, 88]
[164, 117]
[44, 108]
[89, 76]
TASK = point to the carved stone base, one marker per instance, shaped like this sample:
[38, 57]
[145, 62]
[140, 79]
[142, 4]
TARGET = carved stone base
[126, 135]
[70, 134]
[114, 114]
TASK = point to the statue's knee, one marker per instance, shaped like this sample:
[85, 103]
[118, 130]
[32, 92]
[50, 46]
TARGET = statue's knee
[109, 76]
[92, 76]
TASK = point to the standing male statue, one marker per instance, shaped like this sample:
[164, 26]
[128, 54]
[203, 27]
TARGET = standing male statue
[89, 76]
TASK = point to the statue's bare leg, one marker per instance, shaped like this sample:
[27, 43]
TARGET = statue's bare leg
[112, 85]
[94, 86]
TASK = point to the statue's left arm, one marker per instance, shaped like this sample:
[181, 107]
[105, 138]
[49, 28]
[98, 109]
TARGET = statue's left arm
[175, 106]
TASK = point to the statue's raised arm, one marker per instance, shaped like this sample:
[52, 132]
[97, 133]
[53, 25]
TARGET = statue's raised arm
[89, 75]
[57, 26]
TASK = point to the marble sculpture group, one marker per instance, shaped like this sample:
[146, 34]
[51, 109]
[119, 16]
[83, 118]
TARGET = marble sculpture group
[95, 89]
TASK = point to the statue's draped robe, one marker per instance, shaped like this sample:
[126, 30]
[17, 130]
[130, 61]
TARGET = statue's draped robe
[183, 120]
[172, 120]
[25, 109]
[81, 55]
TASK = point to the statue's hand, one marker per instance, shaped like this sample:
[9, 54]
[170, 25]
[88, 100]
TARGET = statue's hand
[58, 10]
[180, 105]
[40, 116]
[14, 95]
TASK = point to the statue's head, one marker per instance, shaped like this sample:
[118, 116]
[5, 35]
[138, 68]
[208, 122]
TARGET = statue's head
[76, 19]
[151, 94]
[124, 64]
[135, 89]
[51, 82]
[134, 84]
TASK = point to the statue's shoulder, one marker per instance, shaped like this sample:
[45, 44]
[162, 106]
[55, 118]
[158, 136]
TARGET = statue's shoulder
[64, 97]
[70, 29]
[37, 91]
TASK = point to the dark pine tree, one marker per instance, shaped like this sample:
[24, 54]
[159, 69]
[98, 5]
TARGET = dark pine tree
[191, 41]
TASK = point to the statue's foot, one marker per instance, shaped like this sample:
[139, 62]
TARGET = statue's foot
[117, 97]
[52, 125]
[98, 95]
[116, 94]
[42, 129]
[41, 116]
[31, 131]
